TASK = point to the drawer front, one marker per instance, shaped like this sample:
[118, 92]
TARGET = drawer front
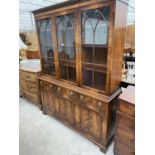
[73, 95]
[30, 96]
[28, 76]
[126, 108]
[30, 86]
[125, 122]
[88, 101]
[126, 137]
[122, 149]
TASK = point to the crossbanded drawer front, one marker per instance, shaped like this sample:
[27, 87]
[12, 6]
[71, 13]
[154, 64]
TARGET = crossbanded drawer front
[126, 108]
[30, 86]
[28, 76]
[32, 97]
[127, 123]
[122, 149]
[127, 137]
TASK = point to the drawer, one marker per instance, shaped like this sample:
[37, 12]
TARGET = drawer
[31, 96]
[125, 122]
[28, 76]
[122, 149]
[126, 108]
[126, 137]
[30, 86]
[92, 102]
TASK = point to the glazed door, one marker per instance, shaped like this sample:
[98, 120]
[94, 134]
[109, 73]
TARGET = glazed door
[94, 47]
[65, 25]
[46, 46]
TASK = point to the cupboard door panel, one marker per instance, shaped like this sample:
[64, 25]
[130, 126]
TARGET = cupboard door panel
[67, 111]
[50, 103]
[91, 123]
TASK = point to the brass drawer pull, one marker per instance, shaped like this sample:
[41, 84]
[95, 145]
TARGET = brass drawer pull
[99, 104]
[81, 97]
[71, 93]
[30, 86]
[51, 86]
[58, 89]
[27, 76]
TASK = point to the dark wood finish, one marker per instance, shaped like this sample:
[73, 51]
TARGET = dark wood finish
[88, 115]
[88, 108]
[125, 124]
[28, 80]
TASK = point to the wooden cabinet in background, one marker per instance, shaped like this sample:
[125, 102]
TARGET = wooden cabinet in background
[125, 124]
[28, 80]
[81, 49]
[32, 53]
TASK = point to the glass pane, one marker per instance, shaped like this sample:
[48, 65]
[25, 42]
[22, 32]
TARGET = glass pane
[66, 46]
[87, 54]
[87, 77]
[100, 56]
[45, 36]
[99, 80]
[48, 66]
[95, 28]
[66, 36]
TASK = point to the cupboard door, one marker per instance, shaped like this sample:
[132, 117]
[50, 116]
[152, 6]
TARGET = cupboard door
[91, 122]
[67, 111]
[47, 52]
[50, 103]
[66, 46]
[94, 40]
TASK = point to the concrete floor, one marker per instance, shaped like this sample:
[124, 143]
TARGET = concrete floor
[43, 135]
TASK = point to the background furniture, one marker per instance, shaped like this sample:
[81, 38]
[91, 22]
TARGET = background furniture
[32, 53]
[125, 124]
[28, 81]
[81, 49]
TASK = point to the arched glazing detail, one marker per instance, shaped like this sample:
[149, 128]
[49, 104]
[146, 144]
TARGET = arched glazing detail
[94, 35]
[66, 36]
[66, 46]
[47, 53]
[93, 22]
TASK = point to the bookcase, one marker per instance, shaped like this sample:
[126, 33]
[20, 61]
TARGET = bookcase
[81, 51]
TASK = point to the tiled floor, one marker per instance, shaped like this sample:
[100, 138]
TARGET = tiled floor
[43, 135]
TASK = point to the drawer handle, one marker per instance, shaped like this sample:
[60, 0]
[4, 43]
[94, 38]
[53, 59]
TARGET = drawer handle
[71, 93]
[81, 97]
[99, 103]
[41, 82]
[58, 89]
[51, 86]
[30, 86]
[27, 76]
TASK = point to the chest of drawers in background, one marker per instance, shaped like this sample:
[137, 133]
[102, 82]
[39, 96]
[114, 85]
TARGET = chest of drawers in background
[29, 84]
[125, 124]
